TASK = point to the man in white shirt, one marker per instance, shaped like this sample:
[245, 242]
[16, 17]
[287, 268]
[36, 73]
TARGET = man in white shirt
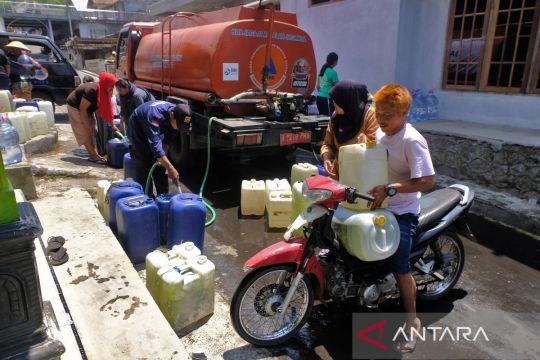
[410, 171]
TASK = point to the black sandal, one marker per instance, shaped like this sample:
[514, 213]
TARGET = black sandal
[59, 257]
[54, 243]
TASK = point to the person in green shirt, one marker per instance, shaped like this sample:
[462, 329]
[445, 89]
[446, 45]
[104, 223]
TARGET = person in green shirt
[327, 78]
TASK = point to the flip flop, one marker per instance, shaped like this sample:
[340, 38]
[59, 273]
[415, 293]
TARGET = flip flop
[406, 347]
[98, 161]
[54, 243]
[59, 257]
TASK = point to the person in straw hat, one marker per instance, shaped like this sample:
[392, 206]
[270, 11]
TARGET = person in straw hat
[23, 68]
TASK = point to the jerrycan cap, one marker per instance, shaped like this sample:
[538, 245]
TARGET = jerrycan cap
[371, 144]
[189, 246]
[380, 220]
[201, 259]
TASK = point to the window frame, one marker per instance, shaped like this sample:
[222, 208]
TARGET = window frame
[532, 63]
[326, 2]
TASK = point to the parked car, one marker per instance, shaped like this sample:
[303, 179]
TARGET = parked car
[57, 77]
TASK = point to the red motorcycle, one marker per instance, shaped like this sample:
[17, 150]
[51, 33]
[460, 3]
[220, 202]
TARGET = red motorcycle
[275, 298]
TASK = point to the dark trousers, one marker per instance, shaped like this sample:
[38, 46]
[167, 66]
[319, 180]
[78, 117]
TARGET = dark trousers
[5, 83]
[325, 106]
[142, 169]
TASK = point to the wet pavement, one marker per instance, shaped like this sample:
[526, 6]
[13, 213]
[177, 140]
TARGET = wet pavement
[501, 274]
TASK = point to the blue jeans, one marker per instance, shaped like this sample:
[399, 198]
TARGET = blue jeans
[407, 229]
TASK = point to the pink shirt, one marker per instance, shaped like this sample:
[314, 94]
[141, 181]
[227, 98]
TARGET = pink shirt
[408, 158]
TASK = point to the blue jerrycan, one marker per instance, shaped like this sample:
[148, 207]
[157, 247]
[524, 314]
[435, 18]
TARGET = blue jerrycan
[187, 215]
[137, 220]
[129, 167]
[116, 192]
[116, 149]
[164, 203]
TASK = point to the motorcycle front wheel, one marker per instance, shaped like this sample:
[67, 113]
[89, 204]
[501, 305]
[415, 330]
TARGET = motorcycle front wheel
[254, 306]
[448, 265]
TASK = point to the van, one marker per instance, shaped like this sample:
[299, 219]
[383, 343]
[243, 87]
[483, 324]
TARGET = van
[57, 78]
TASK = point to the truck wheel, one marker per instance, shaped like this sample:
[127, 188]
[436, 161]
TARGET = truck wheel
[180, 153]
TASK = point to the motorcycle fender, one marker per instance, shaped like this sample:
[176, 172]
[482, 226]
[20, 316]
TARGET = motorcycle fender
[310, 214]
[280, 253]
[288, 252]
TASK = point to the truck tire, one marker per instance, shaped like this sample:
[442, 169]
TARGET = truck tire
[180, 153]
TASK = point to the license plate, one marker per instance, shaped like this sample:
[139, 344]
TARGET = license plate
[295, 138]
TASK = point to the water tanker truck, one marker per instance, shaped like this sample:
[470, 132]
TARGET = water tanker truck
[250, 69]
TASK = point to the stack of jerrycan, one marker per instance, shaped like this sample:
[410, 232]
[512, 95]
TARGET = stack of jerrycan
[129, 167]
[36, 120]
[116, 149]
[300, 172]
[368, 235]
[6, 101]
[278, 203]
[186, 220]
[137, 219]
[47, 108]
[18, 120]
[157, 259]
[102, 189]
[163, 202]
[252, 199]
[116, 192]
[182, 284]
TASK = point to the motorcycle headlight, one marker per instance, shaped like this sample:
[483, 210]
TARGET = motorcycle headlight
[315, 195]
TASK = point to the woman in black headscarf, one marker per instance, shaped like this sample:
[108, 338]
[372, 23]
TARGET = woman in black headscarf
[352, 122]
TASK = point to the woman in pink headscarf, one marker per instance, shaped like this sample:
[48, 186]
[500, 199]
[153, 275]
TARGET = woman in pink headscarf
[82, 103]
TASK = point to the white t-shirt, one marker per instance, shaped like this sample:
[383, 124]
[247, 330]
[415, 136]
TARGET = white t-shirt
[408, 158]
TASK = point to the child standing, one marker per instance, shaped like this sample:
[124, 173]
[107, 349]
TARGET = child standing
[410, 171]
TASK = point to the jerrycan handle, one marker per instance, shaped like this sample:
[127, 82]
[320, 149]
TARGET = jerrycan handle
[182, 271]
[137, 203]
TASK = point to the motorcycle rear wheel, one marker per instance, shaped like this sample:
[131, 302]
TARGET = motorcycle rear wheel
[454, 254]
[255, 301]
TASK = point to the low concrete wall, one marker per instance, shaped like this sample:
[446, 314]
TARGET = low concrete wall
[496, 165]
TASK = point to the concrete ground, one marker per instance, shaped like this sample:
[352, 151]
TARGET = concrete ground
[501, 270]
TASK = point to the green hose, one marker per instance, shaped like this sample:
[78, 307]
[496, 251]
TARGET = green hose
[120, 135]
[149, 179]
[208, 206]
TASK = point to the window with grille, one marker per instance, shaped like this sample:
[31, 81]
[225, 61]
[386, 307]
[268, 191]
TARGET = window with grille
[493, 46]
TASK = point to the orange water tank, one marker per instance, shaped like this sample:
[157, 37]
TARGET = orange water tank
[223, 52]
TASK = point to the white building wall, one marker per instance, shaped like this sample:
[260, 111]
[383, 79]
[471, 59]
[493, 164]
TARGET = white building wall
[364, 33]
[421, 53]
[380, 41]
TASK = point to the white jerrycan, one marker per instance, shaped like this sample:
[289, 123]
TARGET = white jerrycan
[368, 235]
[363, 166]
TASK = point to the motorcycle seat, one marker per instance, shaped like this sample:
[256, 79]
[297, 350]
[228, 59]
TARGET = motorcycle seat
[435, 205]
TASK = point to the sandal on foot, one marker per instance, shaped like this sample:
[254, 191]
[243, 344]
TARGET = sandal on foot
[408, 345]
[54, 243]
[59, 257]
[98, 161]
